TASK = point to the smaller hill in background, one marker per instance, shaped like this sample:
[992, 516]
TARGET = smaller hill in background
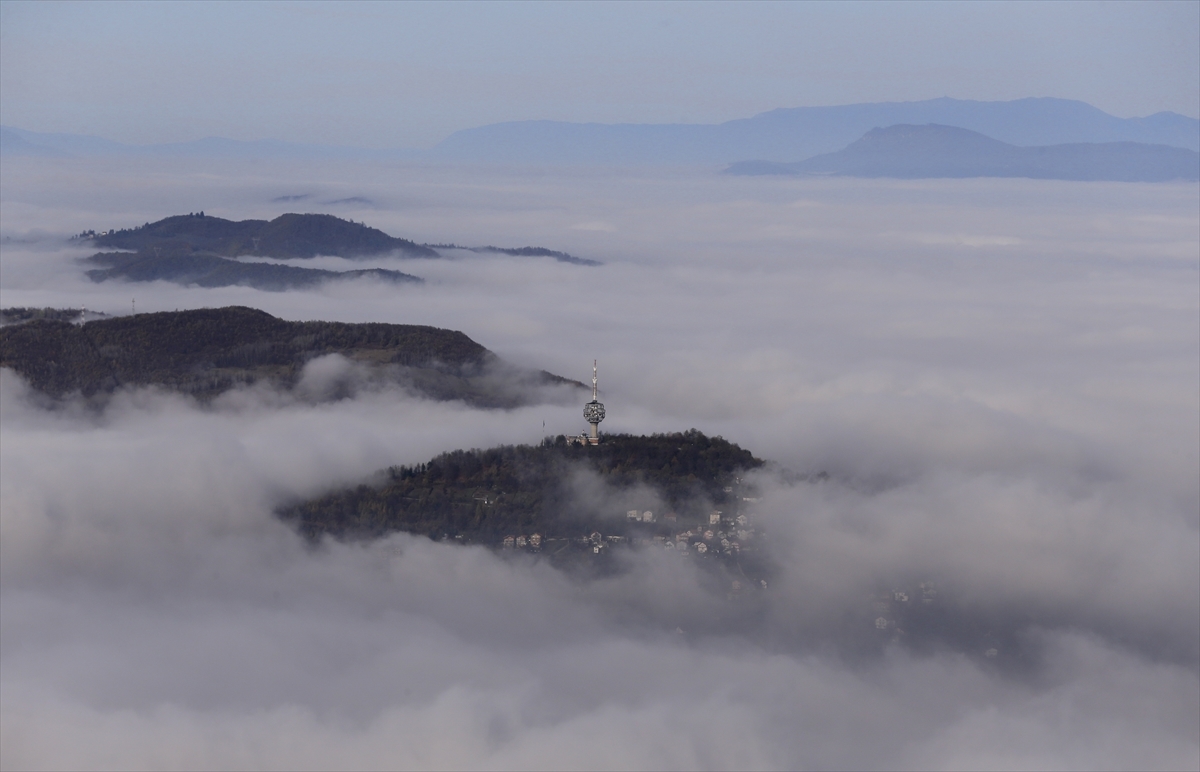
[287, 236]
[195, 249]
[204, 251]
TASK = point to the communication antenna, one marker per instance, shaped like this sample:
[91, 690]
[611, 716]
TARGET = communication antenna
[133, 305]
[255, 239]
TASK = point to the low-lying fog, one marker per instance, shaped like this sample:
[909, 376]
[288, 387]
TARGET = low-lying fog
[1000, 377]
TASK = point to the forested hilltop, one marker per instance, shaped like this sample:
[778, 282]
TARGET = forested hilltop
[195, 249]
[485, 495]
[204, 251]
[208, 351]
[287, 236]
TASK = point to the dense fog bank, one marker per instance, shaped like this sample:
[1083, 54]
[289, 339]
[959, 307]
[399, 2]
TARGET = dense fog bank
[1000, 379]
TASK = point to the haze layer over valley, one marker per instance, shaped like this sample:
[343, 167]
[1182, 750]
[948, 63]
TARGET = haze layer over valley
[999, 377]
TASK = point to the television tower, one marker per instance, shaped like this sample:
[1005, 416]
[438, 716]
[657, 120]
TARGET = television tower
[594, 410]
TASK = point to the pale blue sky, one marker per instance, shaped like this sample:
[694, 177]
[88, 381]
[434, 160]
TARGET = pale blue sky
[406, 75]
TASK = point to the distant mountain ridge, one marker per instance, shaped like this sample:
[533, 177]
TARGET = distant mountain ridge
[788, 134]
[931, 151]
[782, 135]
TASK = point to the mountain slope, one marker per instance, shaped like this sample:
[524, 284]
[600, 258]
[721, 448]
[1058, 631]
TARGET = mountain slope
[208, 351]
[913, 152]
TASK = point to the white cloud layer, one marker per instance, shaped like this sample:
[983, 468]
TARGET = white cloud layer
[1000, 376]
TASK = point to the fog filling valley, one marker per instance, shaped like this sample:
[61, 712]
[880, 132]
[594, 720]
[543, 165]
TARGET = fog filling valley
[999, 377]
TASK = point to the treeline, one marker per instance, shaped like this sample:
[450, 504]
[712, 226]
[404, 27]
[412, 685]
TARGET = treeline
[484, 495]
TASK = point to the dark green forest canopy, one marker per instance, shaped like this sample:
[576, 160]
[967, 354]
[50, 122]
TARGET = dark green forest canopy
[287, 236]
[485, 495]
[205, 352]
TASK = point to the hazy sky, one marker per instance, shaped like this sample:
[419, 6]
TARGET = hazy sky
[406, 75]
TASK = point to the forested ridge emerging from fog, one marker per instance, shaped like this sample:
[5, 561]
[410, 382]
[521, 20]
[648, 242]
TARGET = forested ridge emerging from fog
[208, 351]
[202, 250]
[485, 495]
[287, 236]
[195, 249]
